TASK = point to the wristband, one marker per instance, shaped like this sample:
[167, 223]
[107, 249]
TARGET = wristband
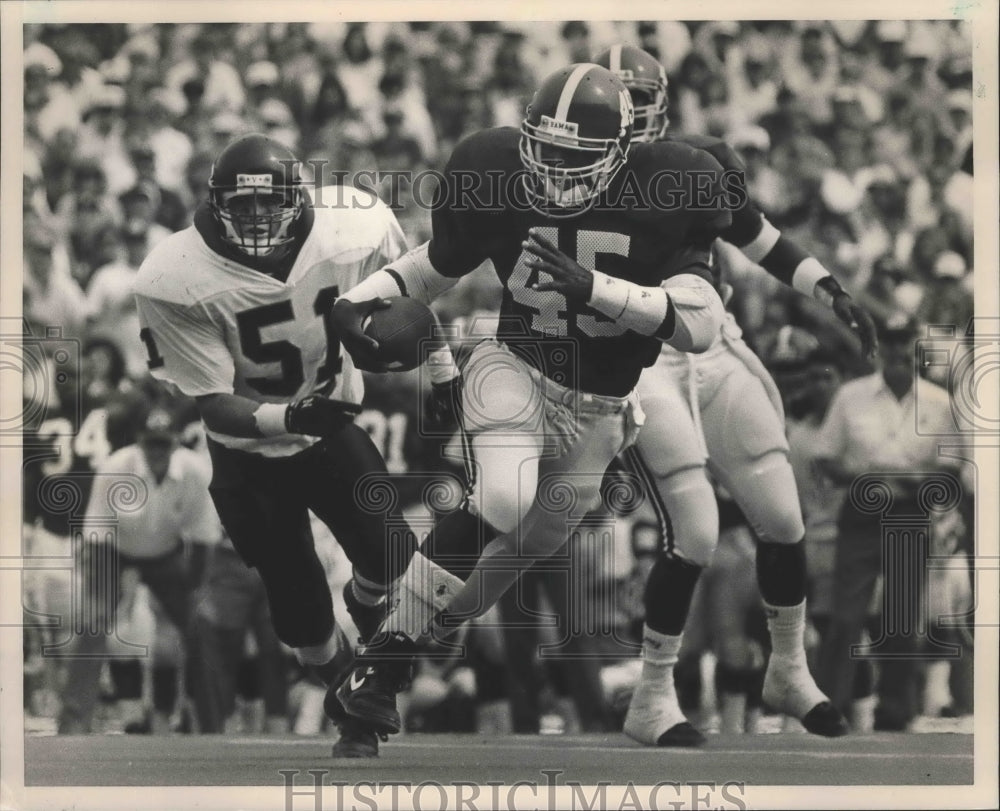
[381, 284]
[639, 308]
[808, 273]
[270, 419]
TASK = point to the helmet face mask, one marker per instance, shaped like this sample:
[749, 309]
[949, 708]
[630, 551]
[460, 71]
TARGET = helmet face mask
[646, 80]
[256, 196]
[574, 139]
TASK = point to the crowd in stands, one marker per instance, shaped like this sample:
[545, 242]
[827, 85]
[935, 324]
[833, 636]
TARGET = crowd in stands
[857, 139]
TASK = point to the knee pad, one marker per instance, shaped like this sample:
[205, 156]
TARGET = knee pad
[686, 509]
[765, 490]
[505, 485]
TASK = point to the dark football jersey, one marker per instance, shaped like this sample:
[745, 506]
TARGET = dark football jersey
[664, 207]
[58, 461]
[747, 218]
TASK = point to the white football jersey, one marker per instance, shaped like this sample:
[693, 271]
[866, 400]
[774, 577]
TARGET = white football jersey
[212, 325]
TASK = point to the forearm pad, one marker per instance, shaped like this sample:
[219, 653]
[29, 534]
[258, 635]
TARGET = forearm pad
[698, 313]
[411, 275]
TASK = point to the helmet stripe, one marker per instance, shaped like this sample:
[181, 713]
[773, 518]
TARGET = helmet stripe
[569, 90]
[616, 59]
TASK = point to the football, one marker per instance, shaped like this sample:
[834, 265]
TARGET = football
[399, 330]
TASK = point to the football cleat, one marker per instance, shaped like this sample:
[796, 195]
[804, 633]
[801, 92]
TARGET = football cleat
[357, 740]
[789, 688]
[367, 618]
[654, 718]
[384, 669]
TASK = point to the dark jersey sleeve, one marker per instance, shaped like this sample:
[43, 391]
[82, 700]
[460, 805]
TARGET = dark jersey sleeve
[707, 206]
[469, 197]
[750, 230]
[747, 217]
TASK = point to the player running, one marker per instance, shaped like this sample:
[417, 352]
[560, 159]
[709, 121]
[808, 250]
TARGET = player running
[721, 411]
[550, 401]
[235, 312]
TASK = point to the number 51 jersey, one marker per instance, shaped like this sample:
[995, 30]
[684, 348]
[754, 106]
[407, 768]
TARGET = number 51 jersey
[214, 325]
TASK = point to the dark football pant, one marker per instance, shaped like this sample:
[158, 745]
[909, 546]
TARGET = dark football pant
[264, 502]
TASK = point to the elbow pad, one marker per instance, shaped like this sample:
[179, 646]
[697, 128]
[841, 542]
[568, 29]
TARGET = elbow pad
[698, 312]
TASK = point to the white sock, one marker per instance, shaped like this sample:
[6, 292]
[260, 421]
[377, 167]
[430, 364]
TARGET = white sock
[787, 626]
[367, 592]
[423, 590]
[320, 654]
[659, 655]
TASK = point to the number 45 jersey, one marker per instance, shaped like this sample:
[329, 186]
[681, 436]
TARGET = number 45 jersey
[213, 325]
[657, 218]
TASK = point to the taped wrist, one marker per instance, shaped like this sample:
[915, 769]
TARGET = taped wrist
[808, 274]
[381, 284]
[270, 419]
[641, 309]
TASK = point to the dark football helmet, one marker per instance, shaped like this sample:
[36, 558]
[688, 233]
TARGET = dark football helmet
[646, 80]
[574, 138]
[256, 195]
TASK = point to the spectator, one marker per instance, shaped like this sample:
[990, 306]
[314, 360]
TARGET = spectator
[168, 210]
[172, 149]
[885, 72]
[888, 287]
[52, 297]
[405, 102]
[576, 39]
[104, 374]
[360, 71]
[946, 299]
[262, 81]
[111, 308]
[872, 427]
[754, 80]
[48, 108]
[445, 78]
[168, 545]
[101, 139]
[812, 72]
[222, 86]
[231, 604]
[303, 71]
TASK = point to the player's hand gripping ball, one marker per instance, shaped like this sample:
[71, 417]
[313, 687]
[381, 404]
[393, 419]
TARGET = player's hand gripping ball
[399, 330]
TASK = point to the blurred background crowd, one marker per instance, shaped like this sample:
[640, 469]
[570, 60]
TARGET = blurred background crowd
[857, 138]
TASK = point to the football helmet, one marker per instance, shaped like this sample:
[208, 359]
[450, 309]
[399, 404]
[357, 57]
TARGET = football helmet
[646, 80]
[256, 195]
[574, 138]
